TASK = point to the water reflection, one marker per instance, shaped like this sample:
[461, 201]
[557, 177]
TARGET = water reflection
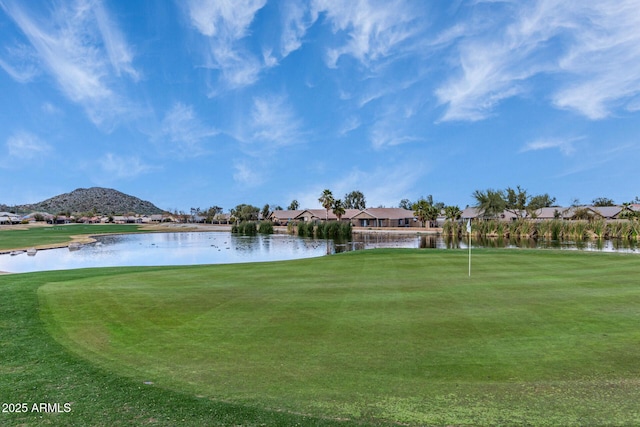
[169, 249]
[192, 248]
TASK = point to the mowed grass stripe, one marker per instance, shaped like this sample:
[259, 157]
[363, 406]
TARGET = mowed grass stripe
[388, 335]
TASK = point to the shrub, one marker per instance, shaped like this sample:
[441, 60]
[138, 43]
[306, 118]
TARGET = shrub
[246, 228]
[265, 227]
[305, 229]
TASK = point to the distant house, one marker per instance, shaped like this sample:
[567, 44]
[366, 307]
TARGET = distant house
[127, 219]
[58, 219]
[474, 213]
[89, 220]
[9, 218]
[372, 217]
[283, 217]
[607, 212]
[385, 217]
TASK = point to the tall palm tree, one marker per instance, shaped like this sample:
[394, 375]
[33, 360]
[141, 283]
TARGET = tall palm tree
[452, 213]
[326, 200]
[338, 209]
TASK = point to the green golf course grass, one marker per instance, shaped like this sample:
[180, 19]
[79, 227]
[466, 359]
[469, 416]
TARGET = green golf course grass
[57, 234]
[374, 337]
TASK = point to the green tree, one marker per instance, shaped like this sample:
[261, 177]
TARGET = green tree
[338, 209]
[516, 201]
[212, 212]
[452, 213]
[405, 204]
[265, 211]
[603, 201]
[425, 211]
[294, 205]
[326, 200]
[355, 200]
[540, 201]
[244, 212]
[628, 212]
[489, 202]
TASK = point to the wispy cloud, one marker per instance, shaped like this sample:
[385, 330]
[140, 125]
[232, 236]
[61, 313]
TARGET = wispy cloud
[297, 17]
[595, 159]
[22, 65]
[566, 145]
[246, 174]
[595, 55]
[394, 126]
[350, 124]
[118, 50]
[118, 167]
[381, 185]
[274, 121]
[71, 44]
[184, 133]
[603, 61]
[223, 23]
[26, 146]
[270, 124]
[375, 29]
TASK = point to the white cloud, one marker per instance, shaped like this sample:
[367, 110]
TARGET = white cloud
[118, 167]
[223, 23]
[392, 126]
[27, 146]
[23, 66]
[246, 174]
[274, 121]
[70, 44]
[375, 29]
[566, 146]
[270, 124]
[118, 50]
[603, 60]
[184, 131]
[297, 18]
[49, 108]
[592, 48]
[381, 185]
[350, 124]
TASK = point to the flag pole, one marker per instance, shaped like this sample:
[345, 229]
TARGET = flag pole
[469, 233]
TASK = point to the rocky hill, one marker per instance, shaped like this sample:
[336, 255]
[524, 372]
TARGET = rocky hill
[96, 199]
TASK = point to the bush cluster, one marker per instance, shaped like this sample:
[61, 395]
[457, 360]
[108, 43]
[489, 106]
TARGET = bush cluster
[553, 229]
[251, 228]
[323, 230]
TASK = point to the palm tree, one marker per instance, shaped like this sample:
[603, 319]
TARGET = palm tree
[338, 209]
[326, 200]
[452, 213]
[421, 211]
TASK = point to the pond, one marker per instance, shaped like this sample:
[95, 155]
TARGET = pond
[191, 248]
[154, 249]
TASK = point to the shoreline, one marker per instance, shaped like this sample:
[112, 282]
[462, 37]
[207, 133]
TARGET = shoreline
[84, 239]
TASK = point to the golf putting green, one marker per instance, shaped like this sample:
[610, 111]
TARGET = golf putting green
[540, 337]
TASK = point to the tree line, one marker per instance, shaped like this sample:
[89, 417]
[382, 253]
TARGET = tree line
[491, 203]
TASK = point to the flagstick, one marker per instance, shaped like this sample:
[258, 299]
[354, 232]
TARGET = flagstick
[469, 232]
[469, 254]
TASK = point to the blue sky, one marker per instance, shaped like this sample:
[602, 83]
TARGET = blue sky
[195, 103]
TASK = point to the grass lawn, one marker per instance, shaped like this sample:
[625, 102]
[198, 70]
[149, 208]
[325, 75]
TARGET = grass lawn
[45, 236]
[372, 337]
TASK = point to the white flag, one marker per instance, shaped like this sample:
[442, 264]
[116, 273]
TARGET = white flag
[469, 226]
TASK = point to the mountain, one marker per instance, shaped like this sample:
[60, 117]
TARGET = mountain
[101, 200]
